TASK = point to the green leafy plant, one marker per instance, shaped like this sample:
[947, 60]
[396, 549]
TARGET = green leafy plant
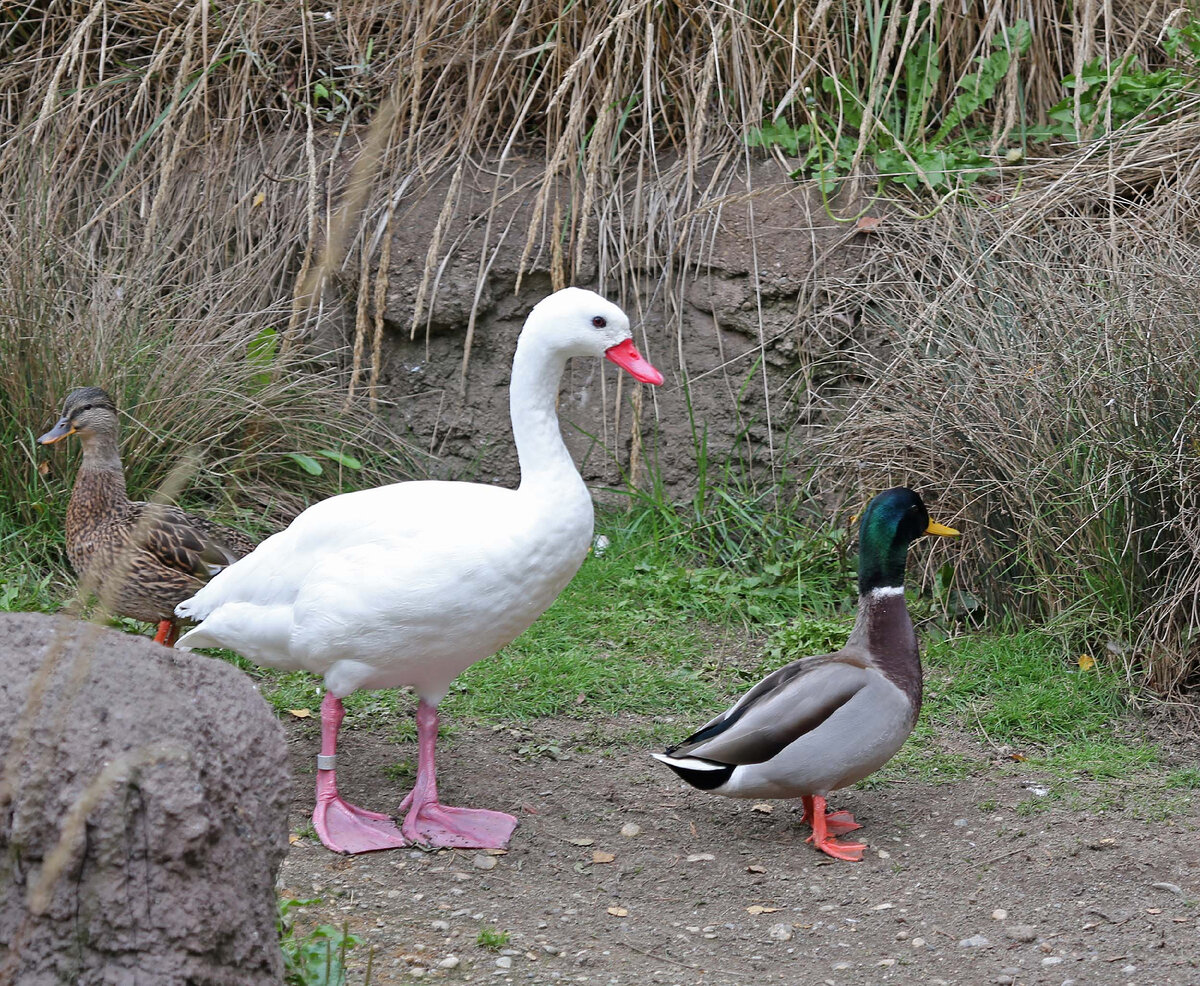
[804, 637]
[317, 958]
[898, 125]
[1115, 94]
[314, 468]
[908, 140]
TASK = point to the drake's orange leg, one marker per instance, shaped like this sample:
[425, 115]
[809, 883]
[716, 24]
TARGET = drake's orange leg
[836, 822]
[822, 836]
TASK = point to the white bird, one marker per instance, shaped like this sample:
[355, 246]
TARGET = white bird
[410, 584]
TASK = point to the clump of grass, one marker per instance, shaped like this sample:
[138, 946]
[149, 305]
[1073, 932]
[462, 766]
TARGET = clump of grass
[1041, 388]
[493, 939]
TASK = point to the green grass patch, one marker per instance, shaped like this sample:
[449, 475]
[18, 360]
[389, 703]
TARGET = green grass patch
[1020, 687]
[493, 939]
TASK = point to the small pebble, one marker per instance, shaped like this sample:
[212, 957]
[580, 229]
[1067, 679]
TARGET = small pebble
[1004, 979]
[886, 963]
[999, 914]
[975, 941]
[918, 943]
[1174, 888]
[1127, 969]
[629, 830]
[416, 972]
[482, 862]
[1052, 960]
[960, 823]
[700, 857]
[504, 962]
[780, 932]
[1021, 932]
[449, 962]
[440, 925]
[838, 966]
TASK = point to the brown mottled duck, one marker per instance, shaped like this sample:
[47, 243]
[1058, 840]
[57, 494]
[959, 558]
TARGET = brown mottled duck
[167, 555]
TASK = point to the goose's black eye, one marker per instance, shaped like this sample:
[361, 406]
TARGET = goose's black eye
[599, 321]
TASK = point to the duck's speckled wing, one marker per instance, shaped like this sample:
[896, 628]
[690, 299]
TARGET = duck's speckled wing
[780, 709]
[184, 542]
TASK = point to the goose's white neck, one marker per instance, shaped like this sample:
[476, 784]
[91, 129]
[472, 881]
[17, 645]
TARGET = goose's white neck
[543, 455]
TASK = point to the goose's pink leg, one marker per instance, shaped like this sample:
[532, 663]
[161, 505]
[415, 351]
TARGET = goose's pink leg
[434, 824]
[344, 827]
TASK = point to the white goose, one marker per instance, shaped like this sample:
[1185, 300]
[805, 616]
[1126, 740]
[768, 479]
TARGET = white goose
[412, 583]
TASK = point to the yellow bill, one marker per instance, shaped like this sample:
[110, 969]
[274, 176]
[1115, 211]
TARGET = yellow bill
[941, 530]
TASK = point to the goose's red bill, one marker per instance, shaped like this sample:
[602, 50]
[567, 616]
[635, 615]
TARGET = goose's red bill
[626, 356]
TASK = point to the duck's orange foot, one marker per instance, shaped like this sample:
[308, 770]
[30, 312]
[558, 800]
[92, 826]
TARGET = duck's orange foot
[836, 822]
[852, 852]
[825, 825]
[840, 822]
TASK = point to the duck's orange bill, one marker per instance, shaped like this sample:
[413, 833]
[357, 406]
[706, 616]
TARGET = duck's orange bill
[941, 530]
[626, 356]
[58, 432]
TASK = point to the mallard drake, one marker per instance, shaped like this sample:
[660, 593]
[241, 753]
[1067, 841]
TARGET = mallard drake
[167, 554]
[822, 723]
[412, 583]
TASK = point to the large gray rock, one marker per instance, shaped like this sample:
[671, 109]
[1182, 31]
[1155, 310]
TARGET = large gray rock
[143, 812]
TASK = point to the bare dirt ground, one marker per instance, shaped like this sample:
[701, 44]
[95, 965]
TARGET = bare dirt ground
[619, 874]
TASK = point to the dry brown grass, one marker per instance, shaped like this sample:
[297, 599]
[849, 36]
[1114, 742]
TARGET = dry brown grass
[1044, 386]
[637, 110]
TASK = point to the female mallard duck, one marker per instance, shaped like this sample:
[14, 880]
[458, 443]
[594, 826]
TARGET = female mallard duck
[821, 723]
[166, 555]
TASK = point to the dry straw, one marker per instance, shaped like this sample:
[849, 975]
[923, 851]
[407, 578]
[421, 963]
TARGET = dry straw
[636, 112]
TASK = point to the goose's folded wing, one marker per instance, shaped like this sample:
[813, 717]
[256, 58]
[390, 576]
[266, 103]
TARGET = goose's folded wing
[169, 535]
[777, 711]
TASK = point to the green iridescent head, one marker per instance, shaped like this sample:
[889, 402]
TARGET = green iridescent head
[891, 522]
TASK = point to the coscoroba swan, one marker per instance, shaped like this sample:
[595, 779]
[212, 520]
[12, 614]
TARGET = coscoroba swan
[412, 583]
